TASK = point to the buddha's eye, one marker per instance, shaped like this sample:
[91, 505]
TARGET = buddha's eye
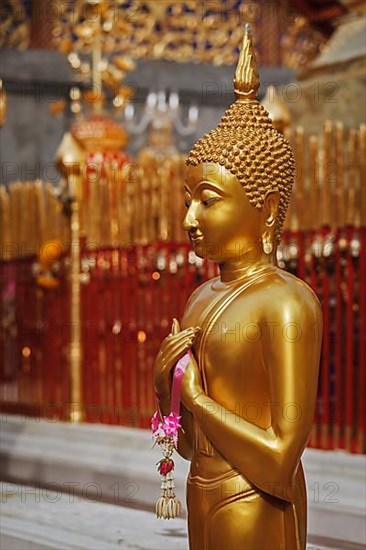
[187, 203]
[211, 200]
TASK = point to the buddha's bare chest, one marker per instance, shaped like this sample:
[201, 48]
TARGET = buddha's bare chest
[228, 347]
[218, 314]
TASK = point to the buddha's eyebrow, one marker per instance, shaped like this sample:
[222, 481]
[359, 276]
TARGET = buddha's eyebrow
[210, 185]
[205, 184]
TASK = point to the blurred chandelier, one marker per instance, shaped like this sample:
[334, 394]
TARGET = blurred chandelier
[163, 107]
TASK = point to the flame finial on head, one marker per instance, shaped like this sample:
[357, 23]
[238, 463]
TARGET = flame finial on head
[246, 79]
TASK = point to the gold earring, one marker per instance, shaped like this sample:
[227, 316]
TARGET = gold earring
[267, 244]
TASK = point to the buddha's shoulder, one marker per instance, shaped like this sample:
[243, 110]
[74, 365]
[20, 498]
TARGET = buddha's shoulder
[203, 291]
[284, 282]
[280, 291]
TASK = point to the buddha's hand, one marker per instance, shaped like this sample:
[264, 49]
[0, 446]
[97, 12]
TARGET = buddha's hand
[171, 350]
[192, 384]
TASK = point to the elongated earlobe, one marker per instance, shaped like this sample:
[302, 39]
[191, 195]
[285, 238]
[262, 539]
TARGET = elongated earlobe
[267, 243]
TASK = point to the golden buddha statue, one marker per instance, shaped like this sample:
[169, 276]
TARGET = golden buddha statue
[248, 394]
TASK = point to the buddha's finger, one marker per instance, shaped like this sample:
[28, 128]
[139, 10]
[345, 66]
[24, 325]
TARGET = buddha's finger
[175, 326]
[173, 339]
[172, 358]
[171, 353]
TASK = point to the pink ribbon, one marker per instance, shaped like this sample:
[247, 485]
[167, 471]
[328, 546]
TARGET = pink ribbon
[179, 371]
[170, 424]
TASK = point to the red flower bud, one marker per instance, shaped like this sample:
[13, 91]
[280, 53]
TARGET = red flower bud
[166, 466]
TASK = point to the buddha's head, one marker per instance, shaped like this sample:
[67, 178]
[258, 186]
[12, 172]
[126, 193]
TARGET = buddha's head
[240, 175]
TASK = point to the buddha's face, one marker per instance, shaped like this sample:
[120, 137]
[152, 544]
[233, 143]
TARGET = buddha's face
[221, 223]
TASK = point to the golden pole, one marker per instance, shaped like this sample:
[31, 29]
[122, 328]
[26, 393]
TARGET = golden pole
[96, 59]
[95, 7]
[75, 344]
[68, 158]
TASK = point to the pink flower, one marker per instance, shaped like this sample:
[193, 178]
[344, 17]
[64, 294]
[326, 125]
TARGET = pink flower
[155, 422]
[171, 424]
[166, 466]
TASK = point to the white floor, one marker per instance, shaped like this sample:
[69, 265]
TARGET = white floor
[36, 518]
[40, 519]
[62, 474]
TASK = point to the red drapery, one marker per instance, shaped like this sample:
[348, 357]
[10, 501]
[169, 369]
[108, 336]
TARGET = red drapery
[129, 296]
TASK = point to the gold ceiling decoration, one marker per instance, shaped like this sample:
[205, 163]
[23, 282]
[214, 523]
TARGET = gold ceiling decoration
[191, 31]
[301, 44]
[88, 31]
[172, 30]
[14, 25]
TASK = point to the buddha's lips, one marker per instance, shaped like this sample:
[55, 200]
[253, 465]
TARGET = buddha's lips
[195, 235]
[196, 239]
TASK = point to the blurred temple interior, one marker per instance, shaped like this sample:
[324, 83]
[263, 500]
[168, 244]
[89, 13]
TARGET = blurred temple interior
[100, 103]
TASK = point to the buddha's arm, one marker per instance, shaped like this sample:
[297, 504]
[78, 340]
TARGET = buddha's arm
[185, 438]
[269, 457]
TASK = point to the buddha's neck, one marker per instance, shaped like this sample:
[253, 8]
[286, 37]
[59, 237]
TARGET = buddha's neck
[243, 268]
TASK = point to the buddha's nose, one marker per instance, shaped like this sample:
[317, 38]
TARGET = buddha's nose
[190, 222]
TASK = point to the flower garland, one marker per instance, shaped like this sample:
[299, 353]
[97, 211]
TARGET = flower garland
[165, 432]
[166, 436]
